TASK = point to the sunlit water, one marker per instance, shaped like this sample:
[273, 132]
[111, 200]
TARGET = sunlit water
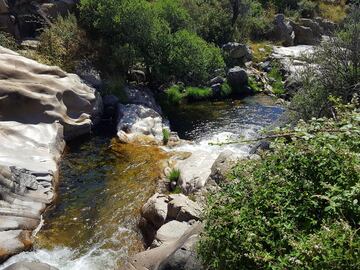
[103, 184]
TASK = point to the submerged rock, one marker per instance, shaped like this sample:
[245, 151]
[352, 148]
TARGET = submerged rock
[30, 266]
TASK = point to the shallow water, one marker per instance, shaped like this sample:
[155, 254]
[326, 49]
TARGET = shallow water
[103, 184]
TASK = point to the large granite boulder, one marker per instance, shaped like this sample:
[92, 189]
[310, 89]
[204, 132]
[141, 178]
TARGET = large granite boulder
[39, 104]
[30, 266]
[141, 96]
[155, 209]
[238, 51]
[282, 31]
[170, 232]
[32, 93]
[139, 124]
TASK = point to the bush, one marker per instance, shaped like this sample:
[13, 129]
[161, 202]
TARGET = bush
[166, 136]
[297, 208]
[174, 175]
[8, 41]
[333, 70]
[307, 8]
[192, 59]
[174, 95]
[198, 94]
[226, 90]
[63, 44]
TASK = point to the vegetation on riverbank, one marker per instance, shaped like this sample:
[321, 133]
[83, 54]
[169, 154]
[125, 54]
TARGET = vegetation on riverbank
[298, 206]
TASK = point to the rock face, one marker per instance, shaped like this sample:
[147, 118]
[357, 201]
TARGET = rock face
[23, 18]
[290, 57]
[30, 266]
[181, 208]
[32, 93]
[38, 105]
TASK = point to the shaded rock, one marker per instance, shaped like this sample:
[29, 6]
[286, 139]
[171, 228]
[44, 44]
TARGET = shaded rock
[217, 80]
[155, 210]
[141, 96]
[282, 31]
[110, 106]
[158, 258]
[237, 76]
[222, 166]
[86, 71]
[45, 94]
[185, 258]
[30, 266]
[170, 232]
[327, 26]
[238, 51]
[305, 35]
[139, 124]
[137, 76]
[262, 145]
[313, 25]
[181, 208]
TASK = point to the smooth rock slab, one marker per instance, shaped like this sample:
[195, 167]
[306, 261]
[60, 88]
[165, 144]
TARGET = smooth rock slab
[13, 242]
[170, 232]
[33, 93]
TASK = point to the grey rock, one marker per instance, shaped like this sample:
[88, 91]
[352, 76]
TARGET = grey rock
[313, 25]
[327, 26]
[170, 232]
[238, 51]
[141, 96]
[305, 35]
[222, 166]
[181, 208]
[24, 265]
[237, 76]
[86, 71]
[137, 76]
[155, 210]
[282, 31]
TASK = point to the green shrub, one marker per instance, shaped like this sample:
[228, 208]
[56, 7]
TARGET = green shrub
[226, 90]
[174, 175]
[254, 85]
[308, 8]
[297, 208]
[197, 94]
[174, 95]
[166, 136]
[276, 81]
[8, 41]
[63, 43]
[192, 59]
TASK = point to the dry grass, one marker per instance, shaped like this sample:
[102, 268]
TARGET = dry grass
[333, 12]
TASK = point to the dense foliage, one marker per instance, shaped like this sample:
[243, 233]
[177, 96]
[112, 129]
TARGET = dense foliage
[155, 35]
[296, 208]
[333, 70]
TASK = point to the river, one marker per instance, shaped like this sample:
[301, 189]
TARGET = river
[103, 184]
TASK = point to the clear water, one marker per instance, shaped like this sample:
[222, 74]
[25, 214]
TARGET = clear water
[103, 184]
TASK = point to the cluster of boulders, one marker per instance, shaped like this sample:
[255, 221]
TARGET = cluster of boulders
[170, 225]
[304, 32]
[40, 105]
[23, 18]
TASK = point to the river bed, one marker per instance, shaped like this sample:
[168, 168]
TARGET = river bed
[103, 184]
